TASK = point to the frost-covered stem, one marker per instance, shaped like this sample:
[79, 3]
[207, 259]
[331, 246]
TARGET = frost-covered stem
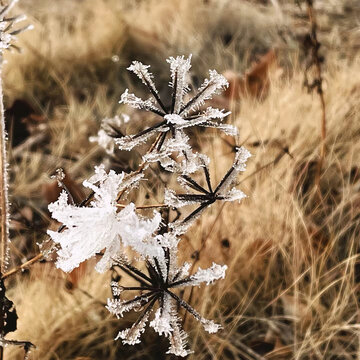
[13, 271]
[3, 186]
[4, 204]
[152, 206]
[142, 165]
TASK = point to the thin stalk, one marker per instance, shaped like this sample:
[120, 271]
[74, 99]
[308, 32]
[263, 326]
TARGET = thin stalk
[4, 206]
[318, 81]
[4, 239]
[23, 266]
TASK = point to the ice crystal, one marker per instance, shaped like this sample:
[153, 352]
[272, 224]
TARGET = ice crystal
[89, 230]
[163, 276]
[103, 223]
[7, 33]
[178, 116]
[185, 160]
[110, 129]
[205, 197]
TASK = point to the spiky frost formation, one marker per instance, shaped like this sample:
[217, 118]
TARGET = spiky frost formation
[177, 117]
[157, 286]
[7, 32]
[224, 191]
[110, 129]
[88, 230]
[186, 162]
[179, 68]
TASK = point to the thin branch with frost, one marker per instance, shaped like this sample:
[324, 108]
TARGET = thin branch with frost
[7, 38]
[205, 197]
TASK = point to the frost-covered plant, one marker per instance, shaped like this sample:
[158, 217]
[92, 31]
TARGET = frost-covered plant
[177, 117]
[106, 223]
[110, 228]
[157, 287]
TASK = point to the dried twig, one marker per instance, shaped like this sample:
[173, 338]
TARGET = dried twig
[314, 60]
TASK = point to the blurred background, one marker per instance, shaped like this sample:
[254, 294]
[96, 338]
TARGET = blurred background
[292, 247]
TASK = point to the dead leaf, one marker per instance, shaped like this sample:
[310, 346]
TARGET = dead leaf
[255, 82]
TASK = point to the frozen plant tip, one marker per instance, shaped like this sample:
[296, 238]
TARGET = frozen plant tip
[7, 31]
[178, 115]
[224, 191]
[157, 287]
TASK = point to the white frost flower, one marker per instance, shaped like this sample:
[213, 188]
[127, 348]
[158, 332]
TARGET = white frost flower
[89, 230]
[163, 276]
[180, 116]
[110, 129]
[7, 33]
[204, 197]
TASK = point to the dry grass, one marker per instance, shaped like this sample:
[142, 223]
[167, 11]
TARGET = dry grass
[291, 291]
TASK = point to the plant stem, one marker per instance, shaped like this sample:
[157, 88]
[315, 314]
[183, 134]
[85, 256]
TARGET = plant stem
[4, 204]
[3, 187]
[318, 79]
[22, 266]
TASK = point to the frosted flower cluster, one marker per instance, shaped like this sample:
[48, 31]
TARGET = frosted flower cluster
[158, 288]
[88, 230]
[175, 118]
[7, 32]
[107, 225]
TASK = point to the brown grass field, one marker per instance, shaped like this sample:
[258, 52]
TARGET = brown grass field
[292, 247]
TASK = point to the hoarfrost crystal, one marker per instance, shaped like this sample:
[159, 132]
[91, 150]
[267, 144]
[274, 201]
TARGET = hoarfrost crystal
[163, 276]
[88, 230]
[181, 115]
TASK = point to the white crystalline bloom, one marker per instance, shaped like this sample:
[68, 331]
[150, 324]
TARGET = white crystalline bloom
[137, 233]
[179, 69]
[174, 119]
[215, 272]
[103, 138]
[89, 230]
[143, 74]
[187, 162]
[132, 336]
[242, 154]
[162, 319]
[181, 115]
[136, 102]
[210, 326]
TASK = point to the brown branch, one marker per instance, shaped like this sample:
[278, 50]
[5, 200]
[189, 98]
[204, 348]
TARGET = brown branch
[316, 61]
[23, 266]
